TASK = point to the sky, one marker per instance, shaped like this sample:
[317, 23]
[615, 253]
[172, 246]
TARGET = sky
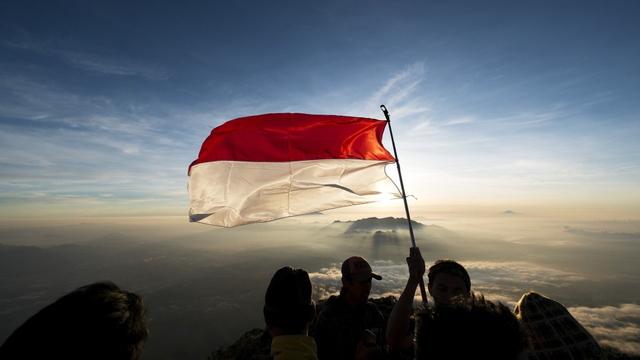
[495, 105]
[528, 106]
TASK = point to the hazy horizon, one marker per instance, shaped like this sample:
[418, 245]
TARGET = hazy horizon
[205, 285]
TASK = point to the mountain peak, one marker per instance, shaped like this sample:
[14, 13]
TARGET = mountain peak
[376, 224]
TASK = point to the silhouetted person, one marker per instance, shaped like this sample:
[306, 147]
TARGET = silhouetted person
[340, 328]
[468, 328]
[97, 321]
[447, 279]
[288, 313]
[552, 331]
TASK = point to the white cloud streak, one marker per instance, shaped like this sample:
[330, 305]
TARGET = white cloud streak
[111, 65]
[399, 94]
[615, 326]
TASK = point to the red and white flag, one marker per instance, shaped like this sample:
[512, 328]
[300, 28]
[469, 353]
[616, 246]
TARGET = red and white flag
[265, 167]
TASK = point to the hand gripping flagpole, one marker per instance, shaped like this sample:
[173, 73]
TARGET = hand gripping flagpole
[404, 195]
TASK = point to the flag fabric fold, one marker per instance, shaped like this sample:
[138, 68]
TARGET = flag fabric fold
[265, 167]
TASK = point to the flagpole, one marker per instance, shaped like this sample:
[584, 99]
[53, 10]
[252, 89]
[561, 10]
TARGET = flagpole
[404, 195]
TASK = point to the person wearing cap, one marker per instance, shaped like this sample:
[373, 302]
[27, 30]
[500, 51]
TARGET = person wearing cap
[447, 279]
[288, 312]
[341, 327]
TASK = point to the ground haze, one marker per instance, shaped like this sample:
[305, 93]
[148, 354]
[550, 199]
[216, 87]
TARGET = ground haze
[205, 285]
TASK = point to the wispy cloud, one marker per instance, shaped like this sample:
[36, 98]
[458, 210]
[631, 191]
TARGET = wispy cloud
[402, 84]
[458, 121]
[111, 65]
[49, 104]
[400, 93]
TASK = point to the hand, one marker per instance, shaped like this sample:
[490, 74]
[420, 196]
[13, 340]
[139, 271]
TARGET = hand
[366, 353]
[416, 264]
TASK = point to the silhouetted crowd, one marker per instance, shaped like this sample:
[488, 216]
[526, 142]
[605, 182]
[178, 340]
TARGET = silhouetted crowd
[103, 321]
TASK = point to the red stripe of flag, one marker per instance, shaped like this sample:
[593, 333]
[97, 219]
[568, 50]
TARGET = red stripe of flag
[295, 137]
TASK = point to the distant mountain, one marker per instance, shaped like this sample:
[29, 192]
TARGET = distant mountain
[19, 260]
[509, 212]
[386, 236]
[602, 234]
[392, 230]
[112, 238]
[374, 224]
[16, 260]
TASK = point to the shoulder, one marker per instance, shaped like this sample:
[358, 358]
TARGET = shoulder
[371, 307]
[332, 306]
[294, 342]
[334, 313]
[333, 300]
[372, 312]
[294, 347]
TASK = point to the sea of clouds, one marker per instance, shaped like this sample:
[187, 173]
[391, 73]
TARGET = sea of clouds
[616, 326]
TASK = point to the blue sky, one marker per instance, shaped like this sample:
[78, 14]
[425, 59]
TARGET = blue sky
[519, 105]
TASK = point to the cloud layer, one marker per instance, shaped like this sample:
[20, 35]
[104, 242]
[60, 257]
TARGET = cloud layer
[615, 326]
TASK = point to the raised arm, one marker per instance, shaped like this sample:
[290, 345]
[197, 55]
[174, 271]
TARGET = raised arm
[399, 334]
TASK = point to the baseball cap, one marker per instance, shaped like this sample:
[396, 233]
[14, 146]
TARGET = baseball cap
[358, 268]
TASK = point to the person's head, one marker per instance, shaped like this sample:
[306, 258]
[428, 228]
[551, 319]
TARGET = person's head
[468, 328]
[447, 279]
[98, 321]
[356, 280]
[288, 308]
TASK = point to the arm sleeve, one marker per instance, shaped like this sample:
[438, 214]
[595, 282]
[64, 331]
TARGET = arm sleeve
[326, 340]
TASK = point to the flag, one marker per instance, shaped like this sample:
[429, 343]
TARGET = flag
[265, 167]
